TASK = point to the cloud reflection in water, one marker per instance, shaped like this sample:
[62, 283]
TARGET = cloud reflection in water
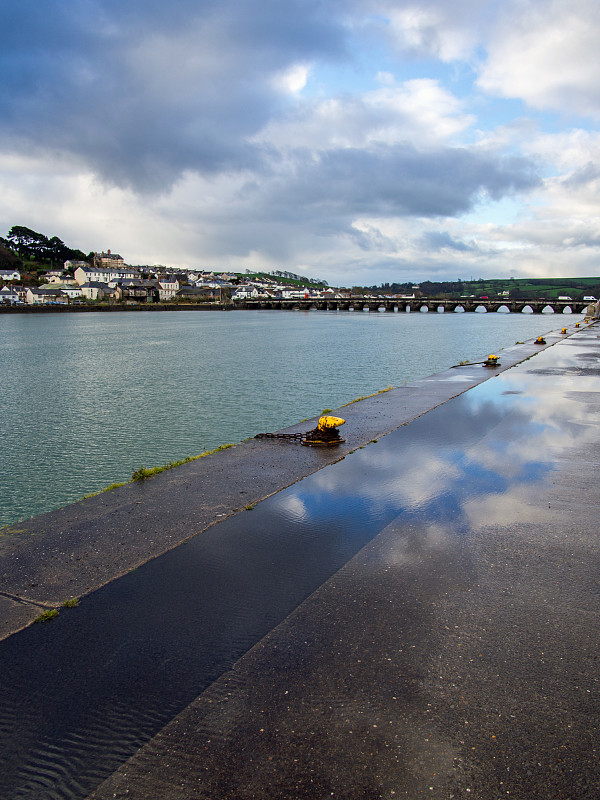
[471, 462]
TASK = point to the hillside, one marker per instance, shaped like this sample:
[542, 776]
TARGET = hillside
[533, 288]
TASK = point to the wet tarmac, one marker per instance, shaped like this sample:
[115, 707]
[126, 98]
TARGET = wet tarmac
[419, 618]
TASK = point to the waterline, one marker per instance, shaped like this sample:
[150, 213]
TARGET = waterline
[89, 398]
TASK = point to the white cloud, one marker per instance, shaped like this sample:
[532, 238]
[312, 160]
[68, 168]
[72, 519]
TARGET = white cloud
[431, 29]
[510, 508]
[420, 111]
[546, 54]
[293, 79]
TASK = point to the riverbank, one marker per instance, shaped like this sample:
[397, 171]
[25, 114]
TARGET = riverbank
[83, 308]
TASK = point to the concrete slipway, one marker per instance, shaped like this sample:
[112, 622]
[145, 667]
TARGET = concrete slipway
[430, 664]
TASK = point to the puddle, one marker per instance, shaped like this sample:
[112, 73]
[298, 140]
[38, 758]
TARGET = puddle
[80, 695]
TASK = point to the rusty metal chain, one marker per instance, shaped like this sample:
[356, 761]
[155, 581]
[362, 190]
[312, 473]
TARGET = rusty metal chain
[280, 435]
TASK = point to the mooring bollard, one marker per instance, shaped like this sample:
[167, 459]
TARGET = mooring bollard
[326, 434]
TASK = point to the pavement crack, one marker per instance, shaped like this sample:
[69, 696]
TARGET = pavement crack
[24, 601]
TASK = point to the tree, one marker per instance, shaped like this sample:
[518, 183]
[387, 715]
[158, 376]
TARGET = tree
[32, 245]
[27, 242]
[56, 251]
[8, 259]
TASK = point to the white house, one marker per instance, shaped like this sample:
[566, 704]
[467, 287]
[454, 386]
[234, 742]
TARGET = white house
[245, 292]
[168, 286]
[100, 275]
[95, 290]
[72, 292]
[59, 280]
[72, 265]
[9, 295]
[9, 275]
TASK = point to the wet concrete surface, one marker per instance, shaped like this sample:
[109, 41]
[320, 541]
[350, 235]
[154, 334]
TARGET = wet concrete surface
[456, 655]
[76, 549]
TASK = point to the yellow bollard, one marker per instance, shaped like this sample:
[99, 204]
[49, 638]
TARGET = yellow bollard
[326, 433]
[491, 361]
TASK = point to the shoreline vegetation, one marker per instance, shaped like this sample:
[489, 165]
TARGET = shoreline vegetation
[147, 472]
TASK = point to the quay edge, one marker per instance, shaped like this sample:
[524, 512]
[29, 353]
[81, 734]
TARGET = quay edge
[70, 552]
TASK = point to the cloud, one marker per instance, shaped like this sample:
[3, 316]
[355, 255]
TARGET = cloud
[415, 110]
[139, 94]
[546, 54]
[433, 29]
[400, 180]
[441, 240]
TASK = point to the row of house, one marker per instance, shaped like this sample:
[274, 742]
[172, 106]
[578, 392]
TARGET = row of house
[140, 290]
[107, 277]
[131, 291]
[259, 291]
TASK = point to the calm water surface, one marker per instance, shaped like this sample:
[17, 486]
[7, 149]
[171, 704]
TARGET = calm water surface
[88, 398]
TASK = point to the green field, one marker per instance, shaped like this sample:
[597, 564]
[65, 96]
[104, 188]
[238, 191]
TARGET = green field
[531, 288]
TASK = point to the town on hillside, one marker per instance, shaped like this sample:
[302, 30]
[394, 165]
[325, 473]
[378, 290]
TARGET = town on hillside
[107, 279]
[39, 270]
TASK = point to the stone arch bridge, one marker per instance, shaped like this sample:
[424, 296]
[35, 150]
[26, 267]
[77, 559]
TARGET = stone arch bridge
[402, 305]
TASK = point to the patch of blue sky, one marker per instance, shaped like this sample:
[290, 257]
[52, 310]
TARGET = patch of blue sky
[370, 67]
[493, 112]
[371, 74]
[507, 211]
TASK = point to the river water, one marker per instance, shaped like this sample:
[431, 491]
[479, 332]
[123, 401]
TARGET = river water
[88, 398]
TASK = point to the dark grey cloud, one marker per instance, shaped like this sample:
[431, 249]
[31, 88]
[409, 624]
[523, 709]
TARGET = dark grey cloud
[313, 203]
[142, 91]
[399, 180]
[441, 240]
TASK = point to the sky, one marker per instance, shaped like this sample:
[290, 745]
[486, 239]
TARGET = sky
[359, 142]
